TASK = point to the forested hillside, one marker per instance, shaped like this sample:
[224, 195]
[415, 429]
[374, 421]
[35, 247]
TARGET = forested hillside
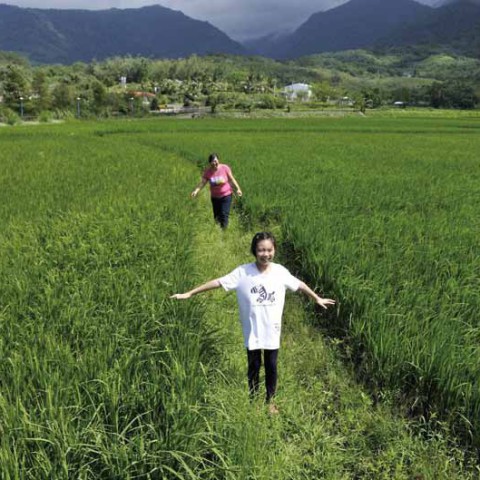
[68, 36]
[427, 77]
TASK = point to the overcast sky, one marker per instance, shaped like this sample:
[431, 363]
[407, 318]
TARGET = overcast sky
[240, 19]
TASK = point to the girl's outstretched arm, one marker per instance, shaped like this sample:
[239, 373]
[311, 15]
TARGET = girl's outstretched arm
[323, 302]
[212, 284]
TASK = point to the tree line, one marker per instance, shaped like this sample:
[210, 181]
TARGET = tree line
[117, 86]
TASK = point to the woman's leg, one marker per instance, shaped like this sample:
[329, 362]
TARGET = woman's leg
[217, 209]
[270, 360]
[224, 213]
[254, 364]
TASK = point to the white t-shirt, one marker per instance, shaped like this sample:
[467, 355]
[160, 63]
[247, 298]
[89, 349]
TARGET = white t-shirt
[261, 297]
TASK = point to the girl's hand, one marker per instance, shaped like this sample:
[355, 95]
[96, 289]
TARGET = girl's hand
[325, 302]
[181, 296]
[239, 193]
[194, 193]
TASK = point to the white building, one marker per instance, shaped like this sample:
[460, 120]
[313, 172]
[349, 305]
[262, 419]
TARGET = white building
[298, 91]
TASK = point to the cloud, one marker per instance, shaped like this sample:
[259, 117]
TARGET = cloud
[240, 19]
[250, 18]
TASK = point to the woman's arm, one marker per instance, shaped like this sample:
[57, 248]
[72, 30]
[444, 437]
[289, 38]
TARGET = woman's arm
[323, 302]
[212, 284]
[199, 186]
[235, 183]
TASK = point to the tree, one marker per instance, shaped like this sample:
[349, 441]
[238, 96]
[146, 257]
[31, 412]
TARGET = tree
[373, 97]
[15, 85]
[218, 98]
[461, 95]
[453, 94]
[63, 96]
[139, 71]
[154, 104]
[42, 98]
[323, 91]
[437, 95]
[99, 94]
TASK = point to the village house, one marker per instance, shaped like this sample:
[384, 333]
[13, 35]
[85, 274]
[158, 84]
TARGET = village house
[297, 91]
[146, 97]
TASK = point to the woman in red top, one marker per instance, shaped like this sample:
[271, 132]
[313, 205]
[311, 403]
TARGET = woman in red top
[221, 179]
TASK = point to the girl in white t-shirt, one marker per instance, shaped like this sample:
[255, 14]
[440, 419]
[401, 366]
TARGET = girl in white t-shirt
[260, 288]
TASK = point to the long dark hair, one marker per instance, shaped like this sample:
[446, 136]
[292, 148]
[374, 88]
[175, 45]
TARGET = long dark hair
[258, 237]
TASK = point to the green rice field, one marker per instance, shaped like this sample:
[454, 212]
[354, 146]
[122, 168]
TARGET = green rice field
[384, 214]
[103, 376]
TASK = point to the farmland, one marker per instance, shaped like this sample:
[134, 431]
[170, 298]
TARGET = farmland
[384, 214]
[102, 376]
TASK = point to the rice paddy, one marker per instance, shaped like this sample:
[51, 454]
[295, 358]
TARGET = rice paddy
[102, 376]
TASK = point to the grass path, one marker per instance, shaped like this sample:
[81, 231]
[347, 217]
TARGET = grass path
[328, 427]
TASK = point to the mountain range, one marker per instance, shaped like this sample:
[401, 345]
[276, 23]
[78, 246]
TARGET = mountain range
[356, 24]
[454, 25]
[67, 36]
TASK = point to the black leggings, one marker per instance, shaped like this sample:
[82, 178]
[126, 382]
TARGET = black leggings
[254, 364]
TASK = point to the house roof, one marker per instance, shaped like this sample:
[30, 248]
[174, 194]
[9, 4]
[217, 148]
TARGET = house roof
[138, 93]
[296, 87]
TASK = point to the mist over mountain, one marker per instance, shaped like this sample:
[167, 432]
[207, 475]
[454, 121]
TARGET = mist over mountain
[455, 26]
[267, 44]
[442, 3]
[355, 24]
[67, 36]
